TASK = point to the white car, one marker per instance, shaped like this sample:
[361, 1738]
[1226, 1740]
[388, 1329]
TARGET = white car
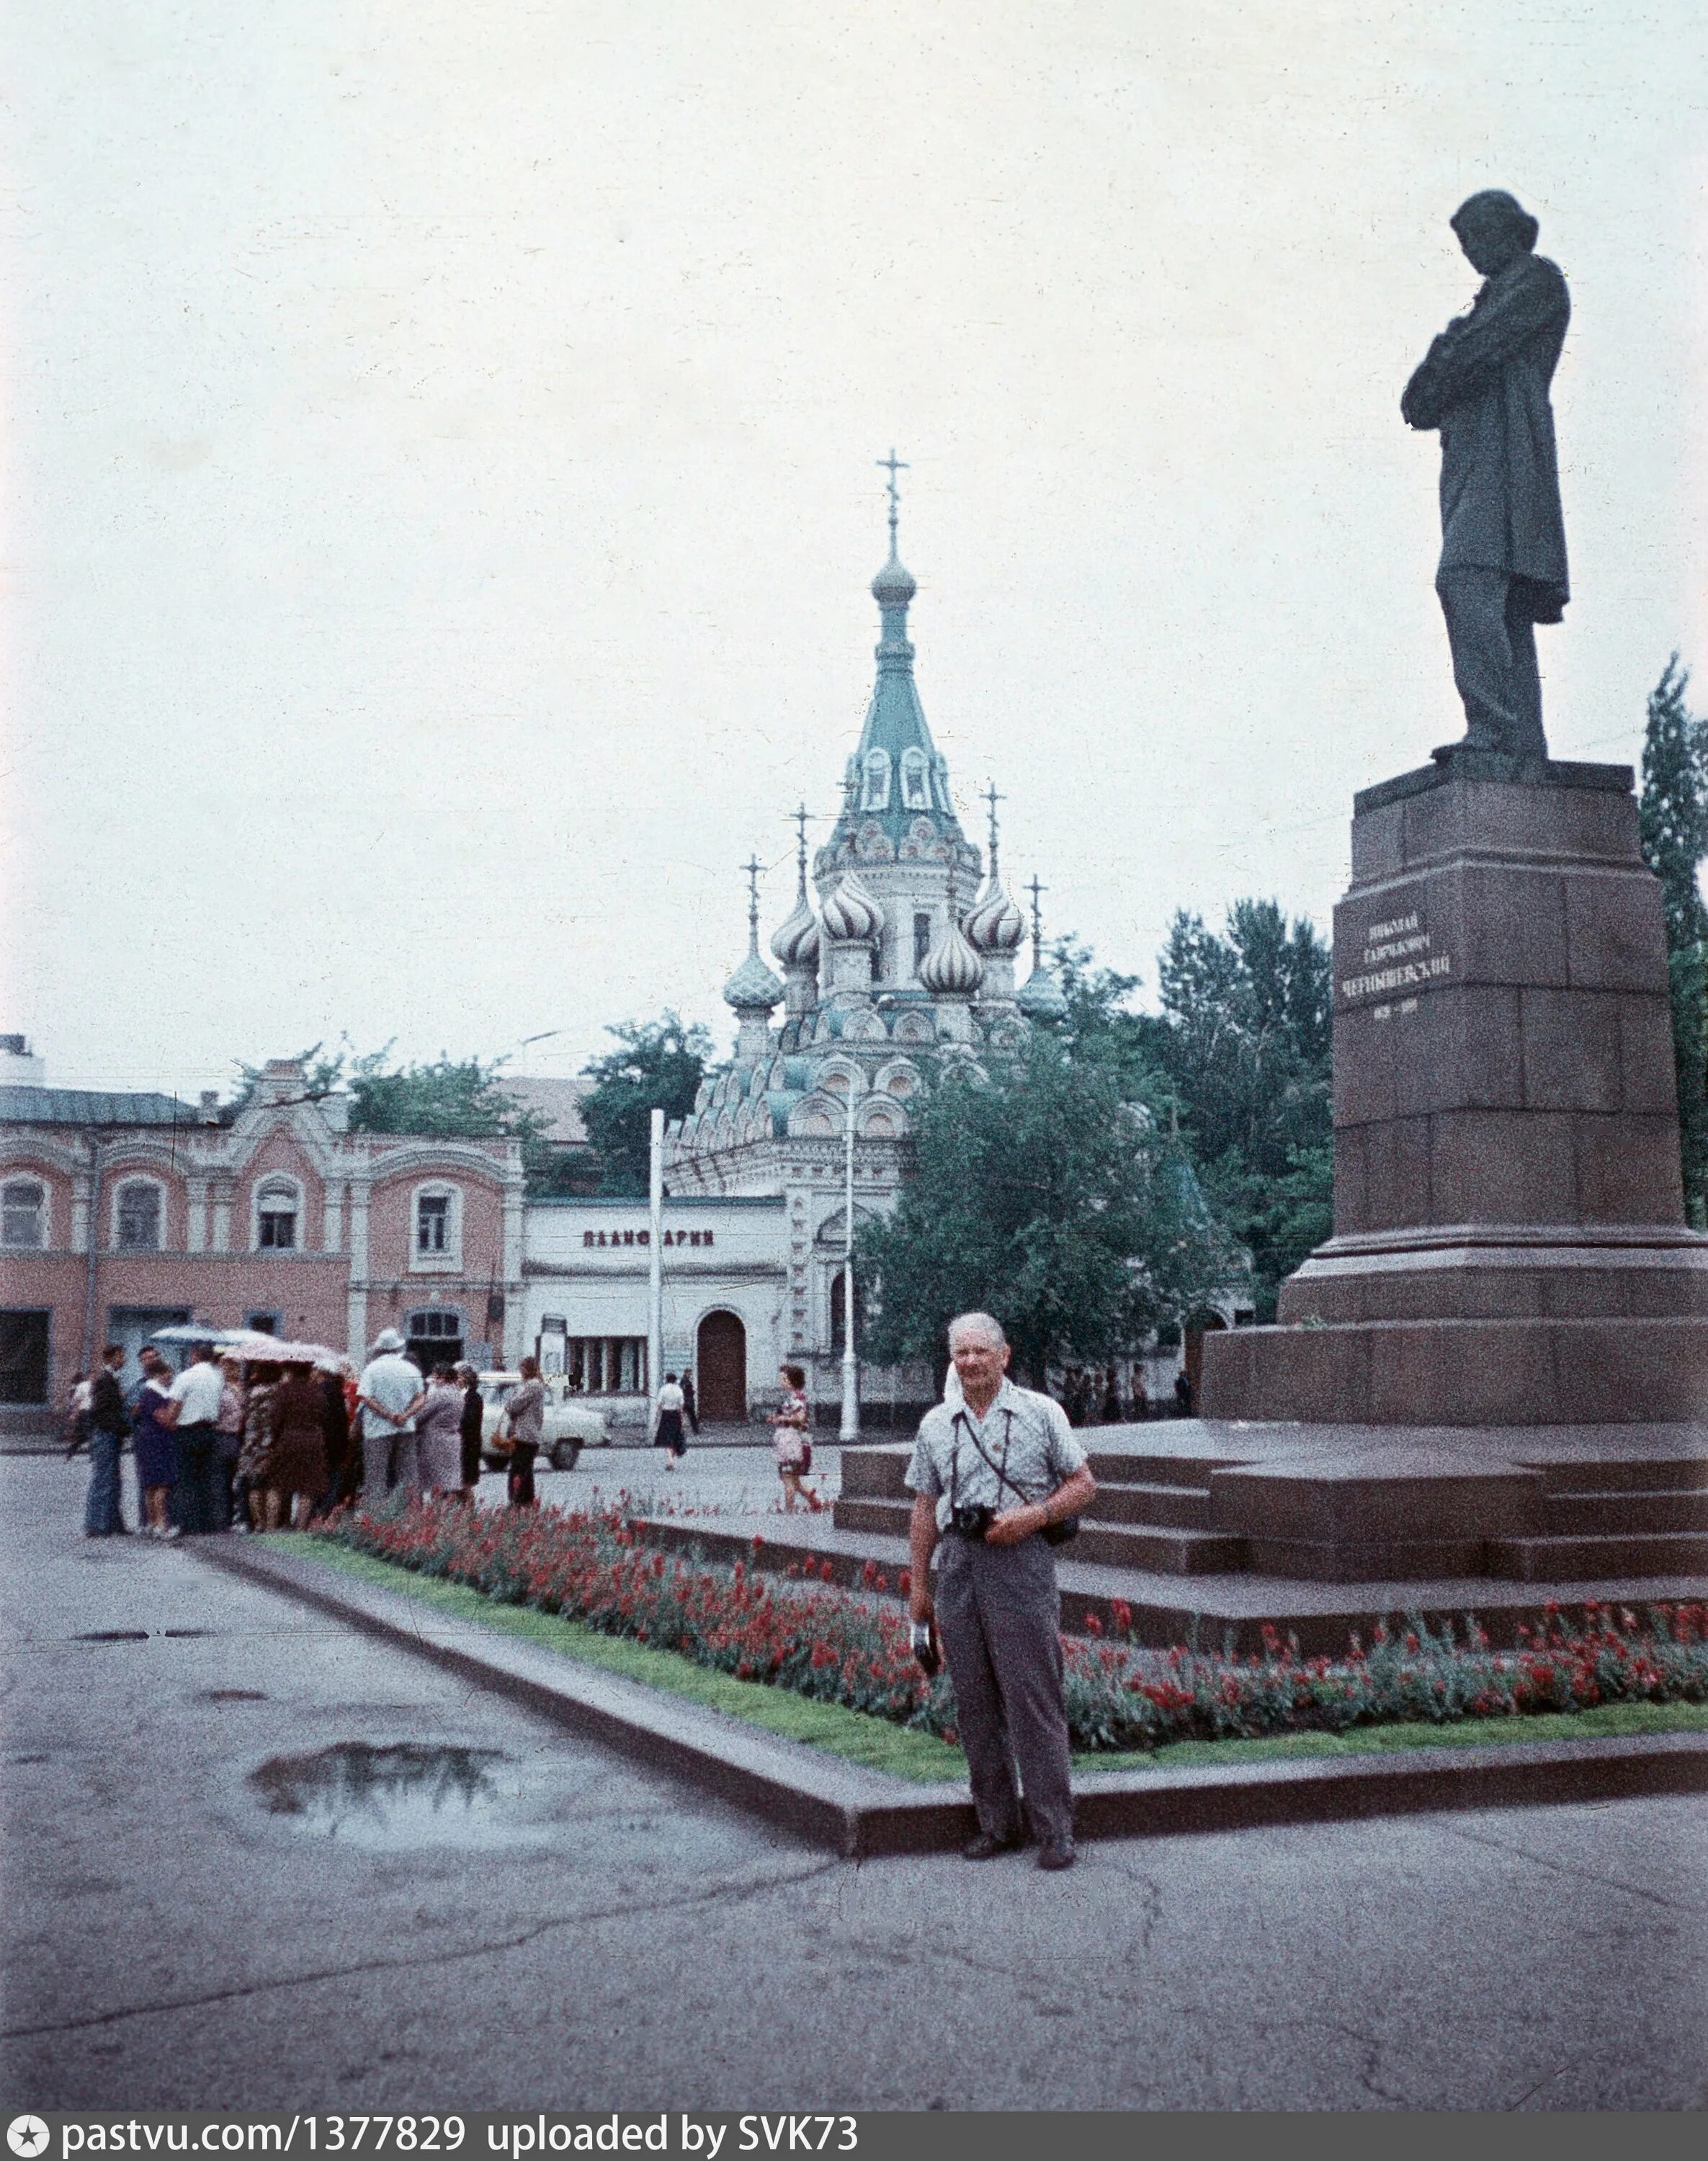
[568, 1426]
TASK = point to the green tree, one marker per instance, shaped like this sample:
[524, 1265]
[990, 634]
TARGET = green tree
[1673, 819]
[1245, 1043]
[1039, 1192]
[450, 1098]
[658, 1066]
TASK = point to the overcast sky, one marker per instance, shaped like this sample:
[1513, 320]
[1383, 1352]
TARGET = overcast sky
[440, 494]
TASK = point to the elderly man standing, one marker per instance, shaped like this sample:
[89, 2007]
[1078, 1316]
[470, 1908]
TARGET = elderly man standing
[1484, 385]
[389, 1394]
[990, 1474]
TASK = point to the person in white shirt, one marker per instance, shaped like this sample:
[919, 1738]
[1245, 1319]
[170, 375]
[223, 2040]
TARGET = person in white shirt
[667, 1433]
[389, 1394]
[193, 1415]
[992, 1474]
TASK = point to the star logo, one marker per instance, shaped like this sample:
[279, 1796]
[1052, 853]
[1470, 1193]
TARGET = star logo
[26, 2135]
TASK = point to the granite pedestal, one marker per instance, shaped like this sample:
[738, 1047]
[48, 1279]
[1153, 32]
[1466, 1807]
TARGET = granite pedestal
[1510, 1249]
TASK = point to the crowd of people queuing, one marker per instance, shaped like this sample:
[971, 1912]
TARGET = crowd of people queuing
[233, 1445]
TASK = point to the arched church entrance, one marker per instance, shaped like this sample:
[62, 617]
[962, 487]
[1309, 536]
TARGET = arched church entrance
[720, 1369]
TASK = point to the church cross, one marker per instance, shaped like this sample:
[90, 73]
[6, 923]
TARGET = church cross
[752, 868]
[798, 821]
[992, 798]
[892, 464]
[1035, 890]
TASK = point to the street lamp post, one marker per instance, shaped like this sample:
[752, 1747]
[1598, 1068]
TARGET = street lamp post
[851, 1358]
[655, 1258]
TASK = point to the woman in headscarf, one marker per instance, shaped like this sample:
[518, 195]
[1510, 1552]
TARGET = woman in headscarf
[296, 1469]
[439, 1435]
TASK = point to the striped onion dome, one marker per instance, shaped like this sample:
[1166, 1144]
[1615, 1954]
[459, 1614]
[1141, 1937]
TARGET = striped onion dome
[796, 944]
[952, 969]
[850, 914]
[996, 924]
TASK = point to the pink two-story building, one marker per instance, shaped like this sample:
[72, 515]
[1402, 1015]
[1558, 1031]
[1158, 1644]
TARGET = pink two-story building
[121, 1214]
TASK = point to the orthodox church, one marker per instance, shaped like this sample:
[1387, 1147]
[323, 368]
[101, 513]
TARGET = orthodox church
[908, 963]
[899, 957]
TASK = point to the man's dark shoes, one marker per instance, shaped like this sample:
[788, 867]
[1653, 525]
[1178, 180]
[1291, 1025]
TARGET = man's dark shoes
[1056, 1854]
[984, 1847]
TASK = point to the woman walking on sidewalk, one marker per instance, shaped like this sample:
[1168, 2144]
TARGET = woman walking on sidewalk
[668, 1433]
[790, 1440]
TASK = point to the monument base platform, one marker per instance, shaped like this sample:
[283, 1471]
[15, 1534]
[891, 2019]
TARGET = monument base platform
[1204, 1532]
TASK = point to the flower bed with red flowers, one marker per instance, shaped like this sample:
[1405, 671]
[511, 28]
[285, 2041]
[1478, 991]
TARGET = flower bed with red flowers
[792, 1632]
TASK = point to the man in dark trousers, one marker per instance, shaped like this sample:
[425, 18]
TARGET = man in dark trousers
[109, 1423]
[690, 1403]
[991, 1474]
[1484, 384]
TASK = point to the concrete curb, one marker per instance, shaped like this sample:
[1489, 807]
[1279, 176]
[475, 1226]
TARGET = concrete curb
[862, 1814]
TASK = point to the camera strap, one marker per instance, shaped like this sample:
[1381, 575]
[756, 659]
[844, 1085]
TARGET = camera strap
[1001, 1469]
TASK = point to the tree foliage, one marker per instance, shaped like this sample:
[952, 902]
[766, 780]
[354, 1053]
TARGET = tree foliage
[447, 1098]
[1244, 1043]
[1673, 823]
[657, 1065]
[1043, 1192]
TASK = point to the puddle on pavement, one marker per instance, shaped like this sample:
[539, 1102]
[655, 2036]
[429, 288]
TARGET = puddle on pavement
[403, 1793]
[234, 1696]
[112, 1636]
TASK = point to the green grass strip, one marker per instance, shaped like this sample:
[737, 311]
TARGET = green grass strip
[920, 1757]
[1604, 1721]
[852, 1735]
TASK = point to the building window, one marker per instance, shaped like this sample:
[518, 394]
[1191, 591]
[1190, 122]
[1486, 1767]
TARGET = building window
[876, 780]
[24, 1207]
[435, 1242]
[922, 940]
[276, 1217]
[139, 1217]
[264, 1324]
[606, 1364]
[916, 784]
[23, 1358]
[436, 1324]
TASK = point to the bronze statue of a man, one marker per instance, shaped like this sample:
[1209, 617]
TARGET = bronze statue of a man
[1484, 384]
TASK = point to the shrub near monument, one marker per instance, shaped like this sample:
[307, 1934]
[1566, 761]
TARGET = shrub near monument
[855, 1652]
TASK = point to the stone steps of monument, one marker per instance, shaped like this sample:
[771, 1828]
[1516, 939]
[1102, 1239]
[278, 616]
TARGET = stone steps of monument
[1581, 1560]
[1617, 1513]
[1164, 1609]
[1160, 1548]
[1645, 1474]
[1170, 1507]
[879, 1473]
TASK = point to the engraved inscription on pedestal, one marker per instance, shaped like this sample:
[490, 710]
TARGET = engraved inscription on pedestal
[1397, 953]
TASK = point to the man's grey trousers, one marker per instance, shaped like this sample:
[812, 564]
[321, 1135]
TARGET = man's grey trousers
[999, 1615]
[389, 1460]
